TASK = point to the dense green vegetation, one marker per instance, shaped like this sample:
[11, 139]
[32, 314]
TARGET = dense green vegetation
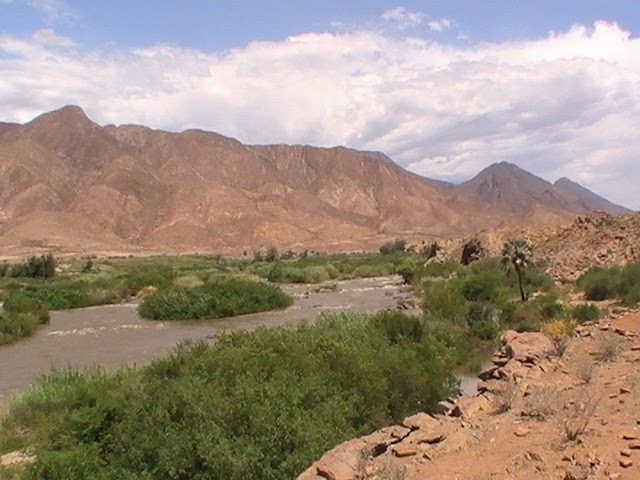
[222, 298]
[20, 317]
[615, 282]
[260, 405]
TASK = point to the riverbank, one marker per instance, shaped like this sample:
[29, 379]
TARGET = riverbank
[115, 335]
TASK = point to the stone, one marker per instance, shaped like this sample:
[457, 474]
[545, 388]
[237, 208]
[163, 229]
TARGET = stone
[521, 432]
[528, 347]
[402, 450]
[625, 452]
[625, 463]
[624, 390]
[629, 436]
[421, 421]
[443, 408]
[634, 445]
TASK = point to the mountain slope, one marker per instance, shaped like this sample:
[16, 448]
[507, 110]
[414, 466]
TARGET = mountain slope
[579, 195]
[69, 184]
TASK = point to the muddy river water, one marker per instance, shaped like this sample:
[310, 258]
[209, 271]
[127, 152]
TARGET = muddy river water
[114, 335]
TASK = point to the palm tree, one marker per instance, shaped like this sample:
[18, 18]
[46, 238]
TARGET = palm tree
[519, 255]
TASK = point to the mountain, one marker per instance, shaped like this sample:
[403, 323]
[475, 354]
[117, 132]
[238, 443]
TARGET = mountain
[524, 196]
[69, 184]
[578, 195]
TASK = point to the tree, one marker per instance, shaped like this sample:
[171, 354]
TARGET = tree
[518, 254]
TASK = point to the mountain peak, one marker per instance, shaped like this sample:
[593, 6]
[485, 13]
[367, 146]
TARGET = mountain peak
[69, 114]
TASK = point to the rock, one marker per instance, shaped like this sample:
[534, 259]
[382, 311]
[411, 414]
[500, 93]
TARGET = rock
[625, 463]
[624, 390]
[625, 452]
[403, 450]
[421, 421]
[443, 408]
[488, 372]
[521, 432]
[629, 436]
[345, 461]
[528, 346]
[470, 406]
[634, 446]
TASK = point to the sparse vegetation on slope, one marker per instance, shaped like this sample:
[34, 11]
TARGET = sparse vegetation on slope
[614, 282]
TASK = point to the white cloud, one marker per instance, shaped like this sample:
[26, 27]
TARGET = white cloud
[53, 11]
[561, 105]
[404, 18]
[440, 25]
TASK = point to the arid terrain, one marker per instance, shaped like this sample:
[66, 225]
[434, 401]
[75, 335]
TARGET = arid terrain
[70, 185]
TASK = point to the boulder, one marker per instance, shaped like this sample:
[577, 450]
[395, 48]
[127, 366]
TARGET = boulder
[528, 347]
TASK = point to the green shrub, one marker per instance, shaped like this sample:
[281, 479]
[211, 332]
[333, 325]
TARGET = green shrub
[20, 303]
[280, 273]
[14, 326]
[43, 266]
[482, 286]
[136, 281]
[259, 405]
[223, 298]
[585, 312]
[600, 283]
[444, 301]
[444, 269]
[394, 246]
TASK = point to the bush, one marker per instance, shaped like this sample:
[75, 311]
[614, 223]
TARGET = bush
[20, 303]
[615, 282]
[394, 246]
[482, 286]
[35, 267]
[259, 405]
[224, 298]
[586, 312]
[444, 301]
[600, 283]
[14, 326]
[286, 274]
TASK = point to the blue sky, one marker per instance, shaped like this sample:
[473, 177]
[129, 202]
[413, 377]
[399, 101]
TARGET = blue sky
[443, 88]
[219, 25]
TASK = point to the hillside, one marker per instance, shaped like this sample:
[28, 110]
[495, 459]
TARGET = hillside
[71, 185]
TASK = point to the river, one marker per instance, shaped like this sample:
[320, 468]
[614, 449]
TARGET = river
[114, 335]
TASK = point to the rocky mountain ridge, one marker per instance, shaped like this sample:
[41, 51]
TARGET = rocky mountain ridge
[70, 185]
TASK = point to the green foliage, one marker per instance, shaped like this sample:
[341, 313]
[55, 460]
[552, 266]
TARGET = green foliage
[261, 405]
[20, 303]
[14, 326]
[600, 283]
[20, 317]
[35, 267]
[615, 282]
[482, 286]
[518, 255]
[223, 298]
[444, 301]
[281, 273]
[444, 269]
[394, 246]
[586, 312]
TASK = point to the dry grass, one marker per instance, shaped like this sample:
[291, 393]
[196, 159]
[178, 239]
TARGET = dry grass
[541, 402]
[608, 347]
[584, 369]
[577, 415]
[503, 399]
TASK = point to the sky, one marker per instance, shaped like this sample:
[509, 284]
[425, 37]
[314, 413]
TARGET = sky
[444, 88]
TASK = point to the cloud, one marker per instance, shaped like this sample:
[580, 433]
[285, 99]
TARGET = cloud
[404, 18]
[440, 25]
[52, 11]
[565, 104]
